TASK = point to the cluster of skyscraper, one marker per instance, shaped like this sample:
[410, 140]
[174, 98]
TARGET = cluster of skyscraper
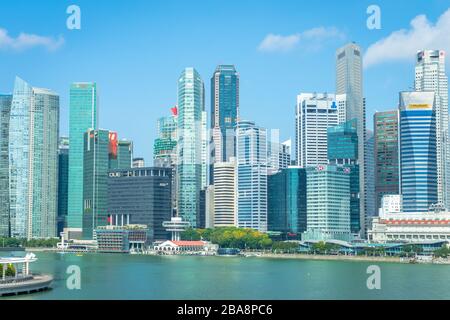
[342, 170]
[234, 174]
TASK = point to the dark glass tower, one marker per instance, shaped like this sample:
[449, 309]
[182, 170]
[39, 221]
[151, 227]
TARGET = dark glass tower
[224, 113]
[63, 183]
[287, 202]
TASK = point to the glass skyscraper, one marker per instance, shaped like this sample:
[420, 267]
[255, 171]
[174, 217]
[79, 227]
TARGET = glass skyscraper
[430, 76]
[328, 203]
[124, 157]
[251, 176]
[224, 112]
[349, 81]
[343, 152]
[63, 183]
[287, 202]
[191, 147]
[418, 165]
[98, 150]
[165, 146]
[5, 109]
[33, 161]
[83, 116]
[386, 155]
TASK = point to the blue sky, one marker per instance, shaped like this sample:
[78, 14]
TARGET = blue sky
[135, 51]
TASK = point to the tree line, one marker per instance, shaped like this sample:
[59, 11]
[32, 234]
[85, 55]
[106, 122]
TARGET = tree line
[32, 243]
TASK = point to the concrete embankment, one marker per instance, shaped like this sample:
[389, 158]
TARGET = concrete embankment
[332, 257]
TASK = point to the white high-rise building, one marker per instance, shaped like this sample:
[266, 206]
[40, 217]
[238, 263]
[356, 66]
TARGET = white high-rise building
[279, 154]
[315, 113]
[349, 81]
[251, 146]
[225, 193]
[430, 76]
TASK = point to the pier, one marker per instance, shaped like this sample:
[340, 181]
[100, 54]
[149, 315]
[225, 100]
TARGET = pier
[22, 281]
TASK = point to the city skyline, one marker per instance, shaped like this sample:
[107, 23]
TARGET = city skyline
[253, 59]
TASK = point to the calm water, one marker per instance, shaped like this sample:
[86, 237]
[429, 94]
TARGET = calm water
[109, 276]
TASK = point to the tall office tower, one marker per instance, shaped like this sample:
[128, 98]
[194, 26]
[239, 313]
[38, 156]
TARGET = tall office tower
[141, 196]
[278, 154]
[124, 157]
[349, 81]
[343, 152]
[328, 203]
[418, 156]
[63, 183]
[5, 109]
[204, 150]
[430, 76]
[83, 112]
[138, 163]
[224, 113]
[251, 148]
[33, 161]
[225, 194]
[191, 168]
[209, 223]
[287, 202]
[369, 154]
[386, 155]
[315, 113]
[99, 148]
[165, 148]
[165, 145]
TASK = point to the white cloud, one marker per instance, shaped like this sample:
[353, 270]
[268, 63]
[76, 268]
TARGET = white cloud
[275, 42]
[310, 38]
[403, 44]
[27, 41]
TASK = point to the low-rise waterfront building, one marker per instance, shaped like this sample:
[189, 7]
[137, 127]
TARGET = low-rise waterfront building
[180, 247]
[121, 239]
[411, 227]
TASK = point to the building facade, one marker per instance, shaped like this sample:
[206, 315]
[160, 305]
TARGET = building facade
[5, 110]
[83, 111]
[225, 194]
[430, 76]
[141, 196]
[343, 152]
[138, 163]
[287, 203]
[386, 155]
[124, 157]
[98, 148]
[165, 145]
[349, 81]
[369, 153]
[315, 113]
[418, 156]
[224, 112]
[33, 161]
[63, 183]
[251, 176]
[328, 203]
[191, 146]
